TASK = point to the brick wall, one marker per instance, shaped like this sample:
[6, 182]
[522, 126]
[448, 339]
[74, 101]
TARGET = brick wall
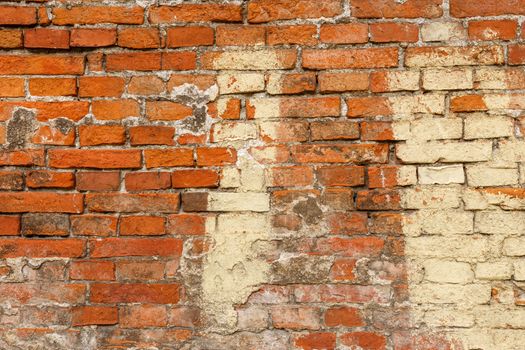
[262, 174]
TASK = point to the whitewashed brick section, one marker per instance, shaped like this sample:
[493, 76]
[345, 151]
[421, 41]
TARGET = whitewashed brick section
[500, 222]
[448, 79]
[445, 175]
[514, 246]
[443, 271]
[429, 197]
[430, 128]
[439, 222]
[449, 247]
[449, 152]
[482, 175]
[234, 131]
[443, 31]
[433, 293]
[481, 126]
[226, 201]
[233, 83]
[498, 270]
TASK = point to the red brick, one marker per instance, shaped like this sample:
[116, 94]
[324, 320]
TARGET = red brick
[340, 153]
[295, 317]
[142, 226]
[156, 158]
[12, 87]
[141, 270]
[9, 225]
[45, 225]
[31, 293]
[115, 109]
[98, 181]
[342, 82]
[202, 81]
[98, 14]
[351, 33]
[17, 15]
[471, 8]
[50, 179]
[96, 135]
[347, 223]
[190, 36]
[184, 317]
[368, 106]
[352, 247]
[140, 61]
[290, 83]
[41, 64]
[93, 37]
[196, 13]
[93, 225]
[183, 60]
[395, 9]
[365, 340]
[378, 200]
[382, 176]
[53, 86]
[167, 110]
[493, 30]
[342, 293]
[240, 35]
[151, 135]
[350, 58]
[139, 38]
[334, 131]
[28, 157]
[516, 54]
[260, 11]
[100, 86]
[467, 103]
[135, 293]
[290, 176]
[45, 202]
[386, 223]
[100, 159]
[343, 269]
[307, 107]
[146, 85]
[394, 32]
[143, 181]
[11, 180]
[114, 247]
[92, 270]
[296, 34]
[316, 341]
[341, 176]
[133, 203]
[186, 224]
[94, 315]
[218, 156]
[194, 178]
[44, 38]
[47, 135]
[142, 316]
[10, 38]
[41, 248]
[377, 131]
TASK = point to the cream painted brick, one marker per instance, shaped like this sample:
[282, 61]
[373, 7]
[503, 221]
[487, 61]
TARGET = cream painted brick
[447, 152]
[402, 80]
[448, 247]
[439, 222]
[230, 178]
[234, 131]
[498, 317]
[443, 31]
[500, 222]
[481, 126]
[514, 246]
[443, 271]
[233, 83]
[252, 177]
[433, 293]
[436, 128]
[481, 175]
[498, 270]
[490, 78]
[449, 317]
[407, 105]
[448, 56]
[235, 223]
[451, 174]
[262, 59]
[407, 175]
[489, 339]
[448, 79]
[510, 150]
[478, 200]
[519, 270]
[226, 201]
[431, 197]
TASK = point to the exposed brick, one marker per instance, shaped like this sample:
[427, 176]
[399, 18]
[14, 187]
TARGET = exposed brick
[93, 37]
[18, 15]
[50, 179]
[94, 315]
[43, 38]
[353, 33]
[190, 36]
[98, 14]
[139, 38]
[266, 10]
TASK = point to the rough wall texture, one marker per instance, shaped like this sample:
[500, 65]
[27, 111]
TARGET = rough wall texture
[262, 174]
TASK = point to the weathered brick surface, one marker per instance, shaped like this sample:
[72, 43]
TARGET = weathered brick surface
[262, 174]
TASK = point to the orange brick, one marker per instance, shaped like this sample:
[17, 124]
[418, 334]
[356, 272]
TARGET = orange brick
[44, 38]
[41, 64]
[143, 181]
[98, 180]
[196, 13]
[115, 109]
[100, 86]
[94, 315]
[50, 179]
[493, 30]
[350, 58]
[98, 14]
[151, 135]
[140, 61]
[17, 15]
[342, 82]
[189, 36]
[12, 87]
[96, 135]
[167, 110]
[92, 270]
[93, 37]
[139, 38]
[194, 178]
[146, 85]
[394, 32]
[216, 156]
[53, 86]
[298, 34]
[352, 33]
[260, 11]
[394, 9]
[10, 38]
[142, 226]
[156, 158]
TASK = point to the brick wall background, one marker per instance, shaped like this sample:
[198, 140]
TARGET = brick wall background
[262, 174]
